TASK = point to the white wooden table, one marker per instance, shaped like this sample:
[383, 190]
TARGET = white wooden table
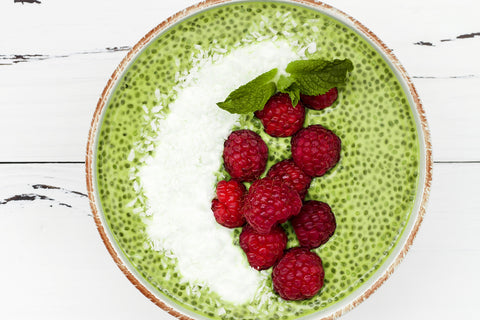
[55, 58]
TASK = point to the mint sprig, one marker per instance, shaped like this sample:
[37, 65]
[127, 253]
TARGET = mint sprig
[310, 77]
[251, 96]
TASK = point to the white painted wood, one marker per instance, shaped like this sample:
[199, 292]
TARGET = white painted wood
[63, 27]
[47, 106]
[56, 267]
[54, 264]
[453, 112]
[62, 91]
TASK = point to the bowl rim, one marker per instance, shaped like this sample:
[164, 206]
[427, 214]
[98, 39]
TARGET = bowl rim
[426, 165]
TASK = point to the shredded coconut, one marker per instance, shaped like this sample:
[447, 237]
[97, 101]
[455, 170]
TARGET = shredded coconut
[178, 181]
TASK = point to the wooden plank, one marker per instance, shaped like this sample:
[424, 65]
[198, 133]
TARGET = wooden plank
[58, 268]
[56, 57]
[47, 105]
[57, 27]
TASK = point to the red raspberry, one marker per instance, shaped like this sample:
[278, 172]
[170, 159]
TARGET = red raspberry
[263, 250]
[227, 209]
[269, 202]
[321, 101]
[291, 175]
[245, 155]
[280, 118]
[314, 225]
[315, 150]
[298, 275]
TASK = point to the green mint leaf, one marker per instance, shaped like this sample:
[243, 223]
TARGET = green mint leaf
[288, 85]
[284, 82]
[315, 77]
[251, 96]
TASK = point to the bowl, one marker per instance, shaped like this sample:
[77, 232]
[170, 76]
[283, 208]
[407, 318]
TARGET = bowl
[160, 99]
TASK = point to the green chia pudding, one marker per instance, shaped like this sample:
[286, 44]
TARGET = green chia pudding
[161, 140]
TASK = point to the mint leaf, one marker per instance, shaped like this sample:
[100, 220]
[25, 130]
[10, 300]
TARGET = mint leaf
[309, 77]
[284, 82]
[288, 85]
[315, 77]
[251, 96]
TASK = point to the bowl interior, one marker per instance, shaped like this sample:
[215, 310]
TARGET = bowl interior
[377, 191]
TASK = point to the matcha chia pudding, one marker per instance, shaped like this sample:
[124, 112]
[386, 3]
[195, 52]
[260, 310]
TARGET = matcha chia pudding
[159, 158]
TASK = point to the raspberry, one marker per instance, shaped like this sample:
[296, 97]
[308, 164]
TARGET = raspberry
[227, 208]
[245, 155]
[280, 118]
[314, 225]
[269, 202]
[315, 150]
[263, 250]
[321, 101]
[298, 275]
[291, 175]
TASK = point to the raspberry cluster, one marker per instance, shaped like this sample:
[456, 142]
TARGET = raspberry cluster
[278, 197]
